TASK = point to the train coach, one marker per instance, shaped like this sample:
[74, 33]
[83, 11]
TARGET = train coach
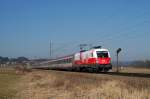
[96, 59]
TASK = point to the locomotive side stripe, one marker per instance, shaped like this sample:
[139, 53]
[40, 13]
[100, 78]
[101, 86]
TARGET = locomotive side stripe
[90, 61]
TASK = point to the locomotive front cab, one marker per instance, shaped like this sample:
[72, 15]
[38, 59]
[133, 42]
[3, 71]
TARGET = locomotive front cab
[103, 57]
[103, 60]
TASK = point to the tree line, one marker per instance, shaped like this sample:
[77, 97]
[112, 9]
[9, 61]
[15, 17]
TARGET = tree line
[6, 60]
[140, 64]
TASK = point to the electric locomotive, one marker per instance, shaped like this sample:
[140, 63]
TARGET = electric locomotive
[96, 59]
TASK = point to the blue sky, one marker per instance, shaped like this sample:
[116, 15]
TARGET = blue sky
[27, 26]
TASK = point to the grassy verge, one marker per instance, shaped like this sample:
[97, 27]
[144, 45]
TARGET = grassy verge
[74, 85]
[8, 82]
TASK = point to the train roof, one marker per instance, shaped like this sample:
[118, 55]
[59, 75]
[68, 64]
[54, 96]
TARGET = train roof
[100, 49]
[91, 50]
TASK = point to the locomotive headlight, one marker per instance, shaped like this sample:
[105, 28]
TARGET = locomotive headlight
[97, 61]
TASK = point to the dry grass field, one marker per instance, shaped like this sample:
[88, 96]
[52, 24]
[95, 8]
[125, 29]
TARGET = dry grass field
[136, 70]
[73, 85]
[8, 83]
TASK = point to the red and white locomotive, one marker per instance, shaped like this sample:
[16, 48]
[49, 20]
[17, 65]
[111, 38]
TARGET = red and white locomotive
[96, 58]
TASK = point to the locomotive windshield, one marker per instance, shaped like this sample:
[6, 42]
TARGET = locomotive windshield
[102, 54]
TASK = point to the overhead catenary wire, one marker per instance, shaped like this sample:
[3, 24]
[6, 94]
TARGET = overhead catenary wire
[63, 46]
[108, 38]
[63, 50]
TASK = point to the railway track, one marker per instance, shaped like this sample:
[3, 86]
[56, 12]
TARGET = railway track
[112, 72]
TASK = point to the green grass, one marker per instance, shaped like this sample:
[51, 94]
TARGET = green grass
[8, 82]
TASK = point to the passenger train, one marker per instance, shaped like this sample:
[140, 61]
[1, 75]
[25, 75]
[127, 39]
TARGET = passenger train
[96, 59]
